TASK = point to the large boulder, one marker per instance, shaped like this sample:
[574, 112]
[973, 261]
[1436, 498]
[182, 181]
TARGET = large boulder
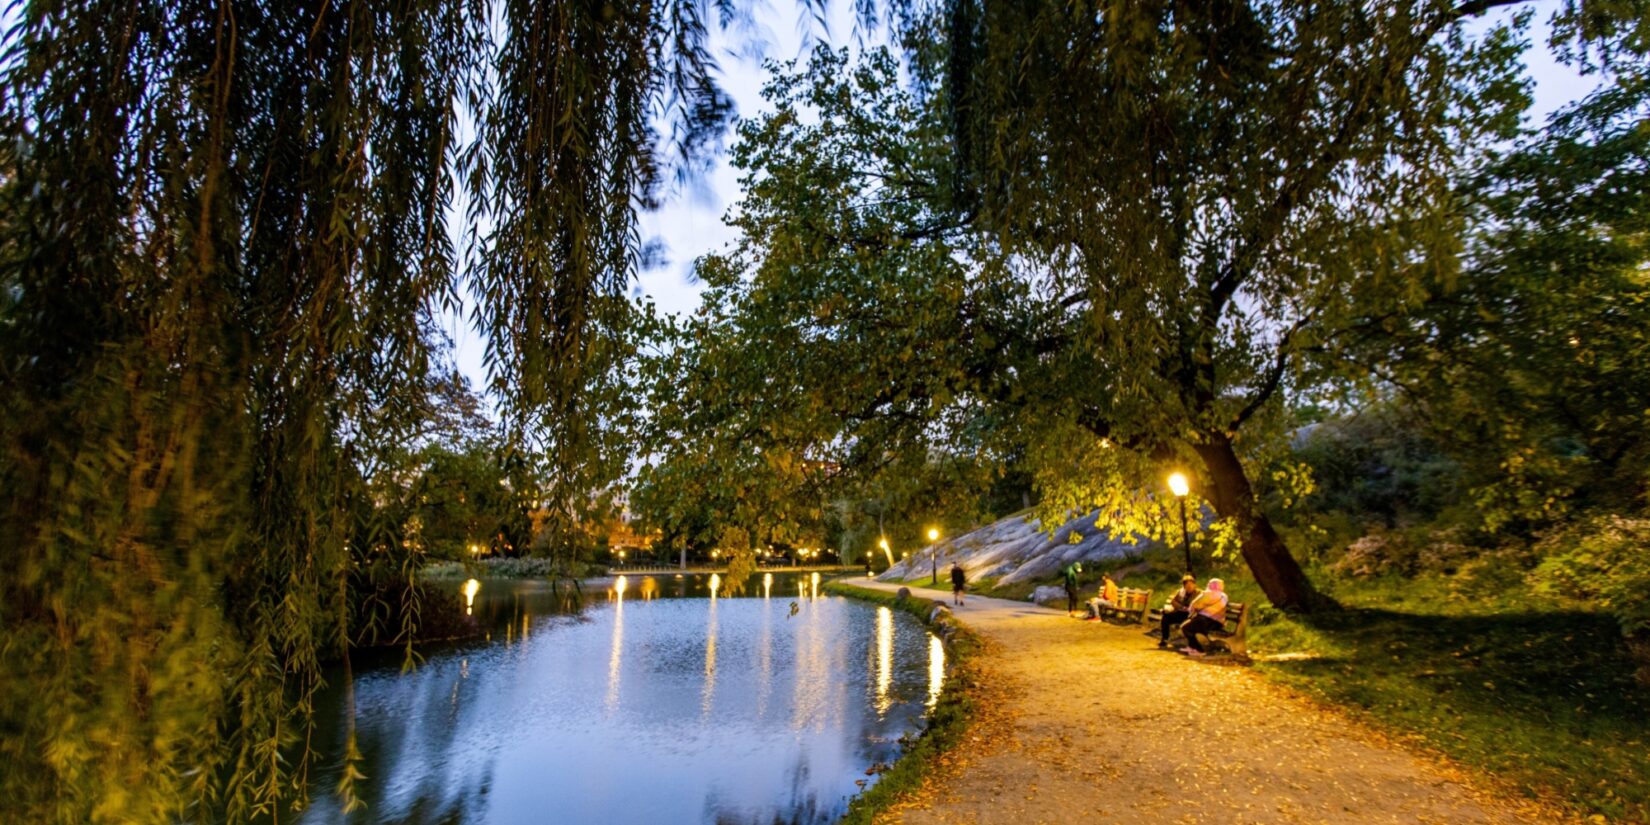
[1016, 549]
[1050, 595]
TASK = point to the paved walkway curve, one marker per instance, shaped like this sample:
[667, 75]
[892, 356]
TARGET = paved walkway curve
[1088, 722]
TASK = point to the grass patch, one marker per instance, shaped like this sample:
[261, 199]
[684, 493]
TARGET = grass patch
[1542, 698]
[508, 568]
[946, 724]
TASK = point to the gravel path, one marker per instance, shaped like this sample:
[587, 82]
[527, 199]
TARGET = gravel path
[1087, 722]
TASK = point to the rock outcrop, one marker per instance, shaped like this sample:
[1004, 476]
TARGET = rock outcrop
[1016, 549]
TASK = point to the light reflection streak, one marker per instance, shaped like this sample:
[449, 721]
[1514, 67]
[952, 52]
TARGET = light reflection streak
[764, 656]
[615, 659]
[471, 588]
[814, 586]
[813, 678]
[885, 659]
[767, 585]
[936, 670]
[710, 650]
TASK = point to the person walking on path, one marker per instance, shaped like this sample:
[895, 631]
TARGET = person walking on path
[1208, 614]
[959, 583]
[1069, 574]
[1179, 607]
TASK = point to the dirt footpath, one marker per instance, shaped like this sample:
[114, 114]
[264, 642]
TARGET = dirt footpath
[1089, 722]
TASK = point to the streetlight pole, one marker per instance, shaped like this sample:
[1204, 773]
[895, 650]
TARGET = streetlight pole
[934, 554]
[1180, 487]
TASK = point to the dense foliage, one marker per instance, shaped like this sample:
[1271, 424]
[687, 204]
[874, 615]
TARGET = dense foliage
[224, 247]
[1114, 258]
[1062, 247]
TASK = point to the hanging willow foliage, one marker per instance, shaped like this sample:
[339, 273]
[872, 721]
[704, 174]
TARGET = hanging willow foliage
[223, 242]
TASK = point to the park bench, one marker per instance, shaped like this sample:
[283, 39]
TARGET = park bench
[1132, 605]
[1232, 637]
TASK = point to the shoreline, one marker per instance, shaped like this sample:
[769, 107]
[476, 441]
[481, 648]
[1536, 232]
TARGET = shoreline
[944, 727]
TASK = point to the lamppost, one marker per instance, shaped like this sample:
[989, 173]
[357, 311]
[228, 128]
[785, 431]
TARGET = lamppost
[1180, 487]
[883, 543]
[934, 553]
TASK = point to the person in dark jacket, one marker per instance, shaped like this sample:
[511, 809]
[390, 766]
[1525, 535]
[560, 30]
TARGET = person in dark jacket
[959, 583]
[1069, 574]
[1178, 610]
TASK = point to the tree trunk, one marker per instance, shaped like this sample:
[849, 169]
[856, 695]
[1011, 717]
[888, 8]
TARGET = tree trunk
[1233, 497]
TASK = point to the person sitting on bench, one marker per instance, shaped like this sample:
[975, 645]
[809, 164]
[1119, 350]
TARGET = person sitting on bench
[1208, 615]
[1107, 597]
[1179, 607]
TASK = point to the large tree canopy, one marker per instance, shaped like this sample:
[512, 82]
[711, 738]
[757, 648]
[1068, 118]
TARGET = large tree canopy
[1537, 360]
[1114, 240]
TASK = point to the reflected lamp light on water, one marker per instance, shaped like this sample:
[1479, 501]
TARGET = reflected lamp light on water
[471, 588]
[1178, 484]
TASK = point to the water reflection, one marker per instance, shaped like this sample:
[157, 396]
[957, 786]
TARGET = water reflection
[730, 710]
[614, 658]
[708, 694]
[885, 658]
[936, 670]
[471, 588]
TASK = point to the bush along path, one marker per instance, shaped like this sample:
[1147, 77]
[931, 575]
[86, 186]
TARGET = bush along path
[1090, 721]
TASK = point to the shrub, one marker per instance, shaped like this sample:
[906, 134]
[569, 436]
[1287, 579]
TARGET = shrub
[1604, 560]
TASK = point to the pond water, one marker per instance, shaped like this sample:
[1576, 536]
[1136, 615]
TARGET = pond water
[659, 702]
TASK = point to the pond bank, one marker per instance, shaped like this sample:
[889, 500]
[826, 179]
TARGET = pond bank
[1092, 721]
[947, 723]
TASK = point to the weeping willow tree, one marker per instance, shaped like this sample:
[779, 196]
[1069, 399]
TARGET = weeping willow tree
[223, 248]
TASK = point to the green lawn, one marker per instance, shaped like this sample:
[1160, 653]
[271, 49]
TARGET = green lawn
[1540, 697]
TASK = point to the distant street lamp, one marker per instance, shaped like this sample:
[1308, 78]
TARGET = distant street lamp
[1180, 487]
[934, 553]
